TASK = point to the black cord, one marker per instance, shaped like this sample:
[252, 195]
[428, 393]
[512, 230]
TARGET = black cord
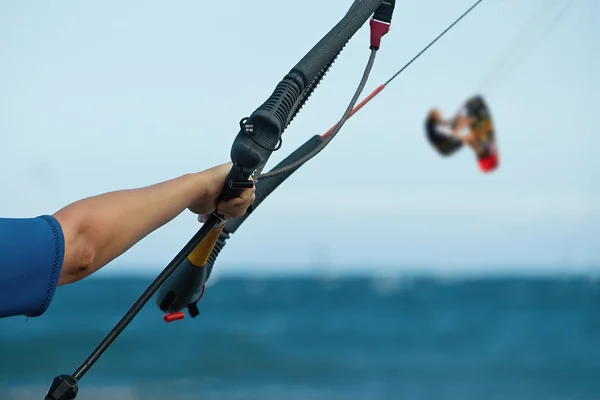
[505, 64]
[346, 115]
[143, 299]
[433, 41]
[324, 144]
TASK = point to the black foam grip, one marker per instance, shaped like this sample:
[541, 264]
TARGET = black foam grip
[279, 106]
[253, 148]
[310, 88]
[331, 44]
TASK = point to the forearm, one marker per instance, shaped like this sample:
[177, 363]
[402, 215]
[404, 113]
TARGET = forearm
[100, 228]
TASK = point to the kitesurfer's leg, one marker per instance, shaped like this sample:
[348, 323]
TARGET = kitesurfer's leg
[464, 122]
[472, 142]
[449, 146]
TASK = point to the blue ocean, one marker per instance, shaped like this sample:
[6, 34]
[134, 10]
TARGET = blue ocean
[319, 339]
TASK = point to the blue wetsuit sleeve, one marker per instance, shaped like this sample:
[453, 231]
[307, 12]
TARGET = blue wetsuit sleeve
[31, 257]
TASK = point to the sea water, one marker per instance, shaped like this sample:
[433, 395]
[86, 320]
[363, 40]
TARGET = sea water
[319, 339]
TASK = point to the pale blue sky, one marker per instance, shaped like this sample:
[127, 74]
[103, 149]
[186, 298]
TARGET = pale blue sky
[106, 95]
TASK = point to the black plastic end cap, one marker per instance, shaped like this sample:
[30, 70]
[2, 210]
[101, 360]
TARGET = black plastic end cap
[241, 185]
[385, 11]
[63, 387]
[193, 310]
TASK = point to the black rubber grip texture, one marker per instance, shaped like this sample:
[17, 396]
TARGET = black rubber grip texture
[252, 149]
[311, 88]
[317, 79]
[280, 105]
[184, 286]
[333, 42]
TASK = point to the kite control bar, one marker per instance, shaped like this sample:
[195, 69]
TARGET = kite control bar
[259, 136]
[186, 287]
[261, 132]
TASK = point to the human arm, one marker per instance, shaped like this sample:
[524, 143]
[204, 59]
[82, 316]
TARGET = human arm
[37, 254]
[461, 122]
[453, 127]
[100, 228]
[31, 256]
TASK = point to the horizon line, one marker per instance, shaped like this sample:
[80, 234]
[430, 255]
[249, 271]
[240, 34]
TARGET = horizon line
[588, 270]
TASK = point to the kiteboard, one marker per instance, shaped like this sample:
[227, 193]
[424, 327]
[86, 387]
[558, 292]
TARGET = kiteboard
[483, 130]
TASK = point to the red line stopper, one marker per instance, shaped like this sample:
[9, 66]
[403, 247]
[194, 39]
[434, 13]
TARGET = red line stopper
[176, 316]
[378, 30]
